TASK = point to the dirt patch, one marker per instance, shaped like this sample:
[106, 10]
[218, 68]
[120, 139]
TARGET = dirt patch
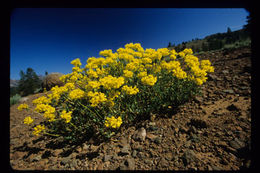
[211, 132]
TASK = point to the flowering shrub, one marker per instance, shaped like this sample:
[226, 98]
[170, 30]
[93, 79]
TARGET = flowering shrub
[118, 88]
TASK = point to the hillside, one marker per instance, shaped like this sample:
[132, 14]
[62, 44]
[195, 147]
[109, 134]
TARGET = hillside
[210, 132]
[217, 41]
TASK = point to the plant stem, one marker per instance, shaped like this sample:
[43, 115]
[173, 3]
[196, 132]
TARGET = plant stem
[51, 134]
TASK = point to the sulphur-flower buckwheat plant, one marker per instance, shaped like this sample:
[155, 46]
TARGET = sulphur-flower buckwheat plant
[118, 89]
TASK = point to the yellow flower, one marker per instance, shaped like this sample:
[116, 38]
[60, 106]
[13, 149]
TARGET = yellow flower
[206, 65]
[38, 129]
[130, 90]
[110, 82]
[76, 62]
[128, 73]
[149, 80]
[142, 74]
[22, 106]
[76, 94]
[92, 85]
[113, 122]
[66, 116]
[163, 51]
[41, 100]
[27, 120]
[96, 98]
[44, 108]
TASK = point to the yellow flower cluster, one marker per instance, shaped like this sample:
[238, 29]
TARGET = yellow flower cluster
[27, 120]
[130, 90]
[66, 116]
[41, 100]
[76, 62]
[92, 85]
[109, 82]
[22, 106]
[96, 98]
[149, 80]
[108, 79]
[198, 69]
[128, 73]
[113, 122]
[38, 129]
[44, 108]
[76, 94]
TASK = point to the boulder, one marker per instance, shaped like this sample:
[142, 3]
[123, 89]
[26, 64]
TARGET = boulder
[52, 80]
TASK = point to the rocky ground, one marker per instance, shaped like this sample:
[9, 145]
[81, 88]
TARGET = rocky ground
[211, 132]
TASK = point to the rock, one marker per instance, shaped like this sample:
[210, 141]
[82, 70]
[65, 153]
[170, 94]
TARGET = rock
[198, 123]
[151, 124]
[52, 80]
[236, 144]
[107, 158]
[151, 136]
[225, 72]
[188, 157]
[169, 156]
[128, 164]
[140, 134]
[163, 162]
[198, 99]
[216, 168]
[23, 99]
[57, 152]
[125, 150]
[149, 162]
[73, 163]
[213, 77]
[37, 158]
[232, 107]
[122, 141]
[134, 153]
[229, 91]
[158, 140]
[65, 160]
[17, 155]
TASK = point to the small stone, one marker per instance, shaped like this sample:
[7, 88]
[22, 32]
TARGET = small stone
[65, 160]
[134, 153]
[150, 136]
[169, 156]
[125, 150]
[232, 107]
[225, 71]
[198, 99]
[128, 164]
[57, 152]
[85, 147]
[216, 168]
[37, 158]
[157, 140]
[140, 134]
[229, 91]
[149, 162]
[107, 158]
[236, 144]
[188, 157]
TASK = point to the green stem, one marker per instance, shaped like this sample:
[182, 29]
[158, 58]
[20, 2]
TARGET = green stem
[51, 134]
[74, 125]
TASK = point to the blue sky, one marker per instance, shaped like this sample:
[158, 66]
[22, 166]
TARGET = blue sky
[47, 39]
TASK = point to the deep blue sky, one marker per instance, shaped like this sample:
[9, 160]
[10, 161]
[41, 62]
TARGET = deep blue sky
[47, 39]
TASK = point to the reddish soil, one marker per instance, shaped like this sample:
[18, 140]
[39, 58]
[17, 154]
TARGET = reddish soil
[211, 132]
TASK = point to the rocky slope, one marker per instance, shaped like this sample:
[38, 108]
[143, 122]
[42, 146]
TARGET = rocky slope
[211, 132]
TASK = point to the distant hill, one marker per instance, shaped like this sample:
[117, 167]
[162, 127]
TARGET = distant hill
[229, 39]
[14, 83]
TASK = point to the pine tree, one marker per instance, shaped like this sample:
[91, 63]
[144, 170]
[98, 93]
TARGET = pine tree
[29, 82]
